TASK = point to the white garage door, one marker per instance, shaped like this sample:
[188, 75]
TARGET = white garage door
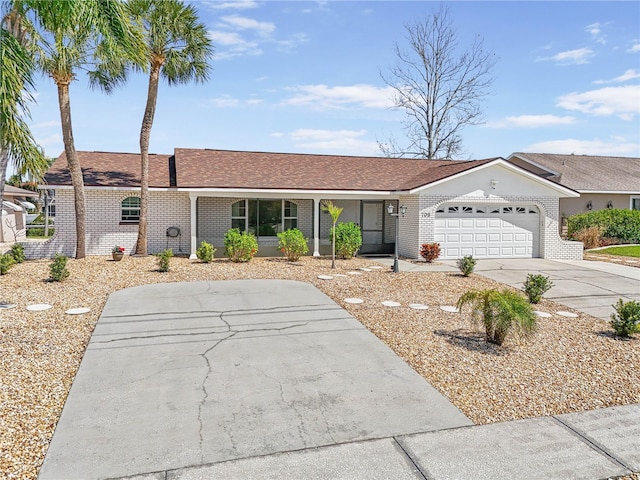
[488, 231]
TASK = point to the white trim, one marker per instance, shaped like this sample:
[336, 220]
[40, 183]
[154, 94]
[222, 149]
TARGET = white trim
[535, 164]
[500, 161]
[124, 189]
[611, 192]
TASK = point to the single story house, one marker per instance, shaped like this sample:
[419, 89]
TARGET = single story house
[603, 182]
[486, 208]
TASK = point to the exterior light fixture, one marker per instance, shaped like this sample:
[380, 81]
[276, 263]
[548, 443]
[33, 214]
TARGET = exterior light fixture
[403, 210]
[610, 205]
[494, 184]
[589, 205]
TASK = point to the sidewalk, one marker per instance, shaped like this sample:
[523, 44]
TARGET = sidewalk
[590, 445]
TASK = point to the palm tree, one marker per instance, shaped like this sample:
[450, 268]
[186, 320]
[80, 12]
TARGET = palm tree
[500, 312]
[335, 211]
[178, 50]
[16, 83]
[75, 34]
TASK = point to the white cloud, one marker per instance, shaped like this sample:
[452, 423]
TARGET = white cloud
[338, 142]
[625, 77]
[621, 101]
[586, 147]
[49, 123]
[596, 33]
[235, 43]
[264, 29]
[238, 4]
[50, 142]
[246, 36]
[224, 101]
[532, 121]
[570, 57]
[324, 97]
[634, 48]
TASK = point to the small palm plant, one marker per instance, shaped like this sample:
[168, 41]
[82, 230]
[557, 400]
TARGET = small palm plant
[500, 312]
[334, 211]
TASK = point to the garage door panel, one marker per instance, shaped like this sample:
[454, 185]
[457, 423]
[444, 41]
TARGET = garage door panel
[488, 232]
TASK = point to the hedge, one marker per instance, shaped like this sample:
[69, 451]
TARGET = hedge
[615, 223]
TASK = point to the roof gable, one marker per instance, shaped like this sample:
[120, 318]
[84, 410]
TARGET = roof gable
[584, 172]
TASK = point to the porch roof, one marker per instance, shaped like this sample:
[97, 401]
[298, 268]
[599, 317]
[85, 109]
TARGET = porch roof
[220, 169]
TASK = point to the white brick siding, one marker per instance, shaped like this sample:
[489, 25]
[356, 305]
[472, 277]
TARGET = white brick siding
[104, 230]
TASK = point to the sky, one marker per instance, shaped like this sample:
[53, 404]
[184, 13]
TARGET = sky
[305, 77]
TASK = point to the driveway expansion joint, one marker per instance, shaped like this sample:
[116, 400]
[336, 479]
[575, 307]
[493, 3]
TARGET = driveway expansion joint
[409, 458]
[592, 443]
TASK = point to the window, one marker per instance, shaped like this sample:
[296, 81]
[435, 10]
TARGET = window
[130, 210]
[521, 210]
[481, 210]
[452, 210]
[290, 216]
[263, 217]
[440, 210]
[467, 209]
[507, 210]
[634, 203]
[239, 215]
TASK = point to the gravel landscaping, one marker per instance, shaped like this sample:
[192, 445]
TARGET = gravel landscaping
[571, 364]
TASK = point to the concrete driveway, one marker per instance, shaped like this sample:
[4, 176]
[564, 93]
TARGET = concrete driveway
[587, 286]
[189, 374]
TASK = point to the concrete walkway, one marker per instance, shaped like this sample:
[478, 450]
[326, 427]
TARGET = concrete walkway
[270, 379]
[588, 286]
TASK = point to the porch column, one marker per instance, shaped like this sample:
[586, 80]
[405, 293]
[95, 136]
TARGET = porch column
[194, 227]
[316, 227]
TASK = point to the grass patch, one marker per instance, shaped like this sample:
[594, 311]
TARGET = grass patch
[626, 251]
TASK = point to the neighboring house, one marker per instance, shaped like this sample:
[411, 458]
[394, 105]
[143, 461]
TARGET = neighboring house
[13, 213]
[485, 208]
[603, 182]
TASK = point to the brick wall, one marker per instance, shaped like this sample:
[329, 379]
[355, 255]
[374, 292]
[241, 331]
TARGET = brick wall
[104, 230]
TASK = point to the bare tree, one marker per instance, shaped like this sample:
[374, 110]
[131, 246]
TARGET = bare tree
[439, 86]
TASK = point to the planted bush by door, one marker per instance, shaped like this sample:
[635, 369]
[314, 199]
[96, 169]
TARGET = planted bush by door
[348, 239]
[240, 246]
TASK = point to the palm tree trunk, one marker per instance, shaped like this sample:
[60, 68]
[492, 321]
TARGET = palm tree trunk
[73, 165]
[4, 163]
[145, 134]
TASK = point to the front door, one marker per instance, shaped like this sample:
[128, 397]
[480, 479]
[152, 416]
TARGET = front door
[372, 226]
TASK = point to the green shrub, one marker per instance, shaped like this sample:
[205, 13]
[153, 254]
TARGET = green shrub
[293, 244]
[535, 286]
[164, 259]
[466, 265]
[6, 262]
[240, 246]
[626, 319]
[17, 251]
[616, 223]
[58, 268]
[430, 251]
[205, 252]
[500, 312]
[348, 239]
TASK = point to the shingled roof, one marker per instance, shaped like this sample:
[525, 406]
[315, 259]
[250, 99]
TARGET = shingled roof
[204, 168]
[588, 172]
[108, 169]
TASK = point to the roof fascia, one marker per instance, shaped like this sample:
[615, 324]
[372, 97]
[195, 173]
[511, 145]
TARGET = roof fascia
[611, 192]
[266, 192]
[535, 164]
[501, 161]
